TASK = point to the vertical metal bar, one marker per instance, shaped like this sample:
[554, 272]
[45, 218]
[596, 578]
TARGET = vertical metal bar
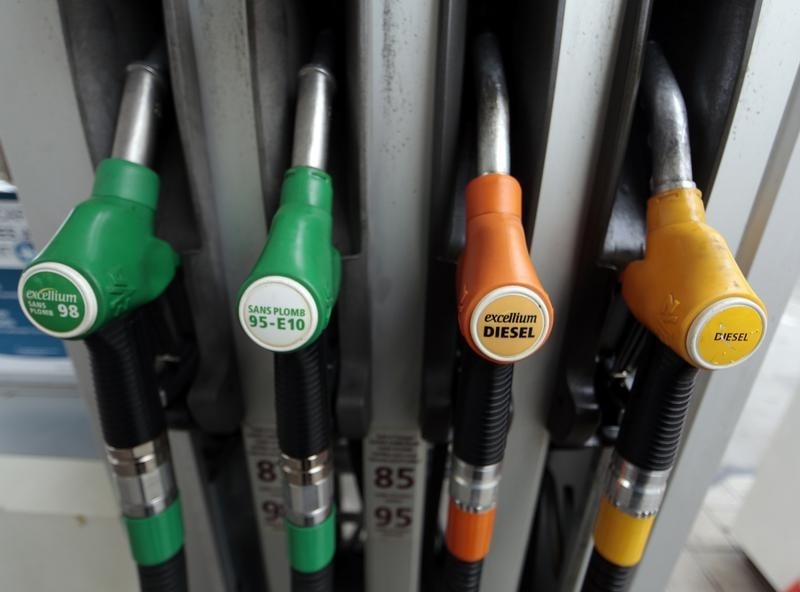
[393, 95]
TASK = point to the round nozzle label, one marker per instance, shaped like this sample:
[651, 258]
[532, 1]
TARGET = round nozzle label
[726, 333]
[57, 299]
[509, 323]
[278, 313]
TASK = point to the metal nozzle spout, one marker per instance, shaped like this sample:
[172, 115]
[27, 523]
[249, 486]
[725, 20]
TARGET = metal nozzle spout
[493, 119]
[139, 112]
[314, 100]
[669, 125]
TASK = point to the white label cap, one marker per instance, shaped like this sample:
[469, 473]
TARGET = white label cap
[278, 313]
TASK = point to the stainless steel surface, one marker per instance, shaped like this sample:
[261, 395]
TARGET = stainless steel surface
[312, 120]
[669, 124]
[635, 491]
[493, 118]
[139, 112]
[474, 489]
[308, 486]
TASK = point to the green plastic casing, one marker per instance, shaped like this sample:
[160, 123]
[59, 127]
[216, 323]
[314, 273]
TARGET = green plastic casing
[311, 548]
[299, 244]
[109, 240]
[157, 538]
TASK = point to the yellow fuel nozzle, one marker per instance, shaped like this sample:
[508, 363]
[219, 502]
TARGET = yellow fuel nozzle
[688, 290]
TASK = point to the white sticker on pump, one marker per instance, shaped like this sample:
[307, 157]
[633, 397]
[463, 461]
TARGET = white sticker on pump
[278, 313]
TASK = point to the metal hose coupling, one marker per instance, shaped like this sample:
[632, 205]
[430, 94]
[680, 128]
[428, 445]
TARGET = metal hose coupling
[308, 488]
[144, 477]
[472, 488]
[633, 490]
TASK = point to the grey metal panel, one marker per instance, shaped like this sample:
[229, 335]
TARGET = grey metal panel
[394, 90]
[588, 36]
[210, 49]
[757, 183]
[204, 556]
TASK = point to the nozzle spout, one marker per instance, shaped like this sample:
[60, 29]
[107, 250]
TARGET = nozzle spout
[669, 124]
[493, 119]
[312, 121]
[139, 113]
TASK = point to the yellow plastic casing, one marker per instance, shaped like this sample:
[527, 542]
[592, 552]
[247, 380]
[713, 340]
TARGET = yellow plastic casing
[619, 537]
[689, 290]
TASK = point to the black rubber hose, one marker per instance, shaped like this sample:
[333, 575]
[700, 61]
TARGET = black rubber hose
[123, 366]
[653, 422]
[482, 410]
[604, 576]
[301, 403]
[169, 576]
[315, 581]
[462, 576]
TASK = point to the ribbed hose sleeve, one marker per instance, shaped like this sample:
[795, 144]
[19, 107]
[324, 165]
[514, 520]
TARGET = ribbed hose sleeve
[317, 581]
[301, 402]
[123, 367]
[169, 576]
[604, 576]
[653, 422]
[482, 410]
[462, 576]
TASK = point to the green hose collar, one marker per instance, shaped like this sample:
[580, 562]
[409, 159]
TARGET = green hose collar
[311, 548]
[157, 538]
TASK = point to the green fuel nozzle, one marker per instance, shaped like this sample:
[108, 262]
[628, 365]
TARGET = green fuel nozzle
[286, 301]
[105, 260]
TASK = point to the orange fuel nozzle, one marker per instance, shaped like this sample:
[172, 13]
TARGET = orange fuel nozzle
[503, 312]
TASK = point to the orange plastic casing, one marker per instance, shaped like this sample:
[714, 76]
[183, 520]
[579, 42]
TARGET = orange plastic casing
[495, 257]
[689, 274]
[469, 534]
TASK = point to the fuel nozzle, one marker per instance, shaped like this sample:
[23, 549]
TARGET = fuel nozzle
[105, 260]
[688, 290]
[504, 313]
[286, 301]
[690, 293]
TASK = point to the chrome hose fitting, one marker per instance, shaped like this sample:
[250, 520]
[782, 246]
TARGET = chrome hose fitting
[308, 488]
[144, 477]
[472, 488]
